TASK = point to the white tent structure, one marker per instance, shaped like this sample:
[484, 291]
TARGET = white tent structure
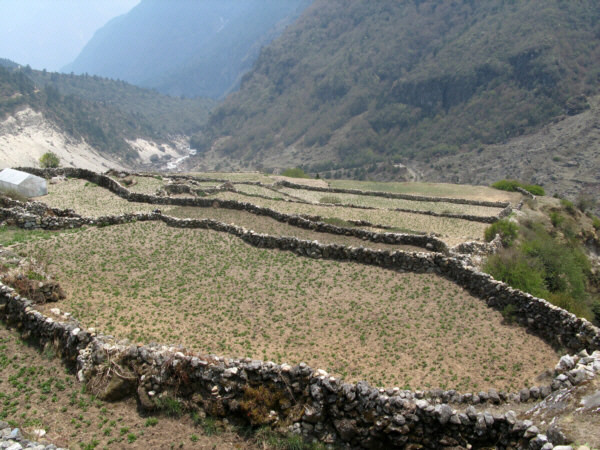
[22, 182]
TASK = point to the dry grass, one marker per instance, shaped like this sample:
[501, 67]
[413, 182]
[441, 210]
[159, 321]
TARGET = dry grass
[432, 190]
[233, 176]
[215, 294]
[452, 231]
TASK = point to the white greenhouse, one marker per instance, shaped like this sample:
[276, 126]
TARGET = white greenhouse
[22, 182]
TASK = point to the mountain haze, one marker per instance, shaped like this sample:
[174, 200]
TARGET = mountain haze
[354, 82]
[188, 47]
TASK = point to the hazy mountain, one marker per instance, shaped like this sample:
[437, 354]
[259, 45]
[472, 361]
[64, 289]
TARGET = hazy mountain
[355, 82]
[50, 33]
[187, 47]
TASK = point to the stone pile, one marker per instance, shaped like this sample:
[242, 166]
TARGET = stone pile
[12, 439]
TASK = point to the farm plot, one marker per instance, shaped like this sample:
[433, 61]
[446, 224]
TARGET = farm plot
[452, 231]
[144, 185]
[391, 203]
[431, 190]
[213, 293]
[90, 200]
[267, 225]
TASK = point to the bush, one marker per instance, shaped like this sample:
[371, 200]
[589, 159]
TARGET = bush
[49, 160]
[512, 185]
[295, 173]
[505, 228]
[547, 268]
[568, 205]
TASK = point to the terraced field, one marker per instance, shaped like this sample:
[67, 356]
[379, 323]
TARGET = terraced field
[391, 203]
[431, 189]
[90, 200]
[215, 294]
[452, 231]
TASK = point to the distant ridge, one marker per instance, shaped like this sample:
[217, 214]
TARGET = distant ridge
[189, 48]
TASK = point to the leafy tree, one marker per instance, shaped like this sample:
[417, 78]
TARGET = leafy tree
[49, 160]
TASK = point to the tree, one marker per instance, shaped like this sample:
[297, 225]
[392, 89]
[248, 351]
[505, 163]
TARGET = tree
[49, 160]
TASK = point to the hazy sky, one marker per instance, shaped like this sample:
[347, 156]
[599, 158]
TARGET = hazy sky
[48, 34]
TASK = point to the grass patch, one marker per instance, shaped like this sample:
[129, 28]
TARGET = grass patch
[10, 235]
[330, 199]
[295, 173]
[512, 185]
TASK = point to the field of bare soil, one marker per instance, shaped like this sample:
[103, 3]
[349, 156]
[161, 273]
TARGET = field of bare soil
[215, 294]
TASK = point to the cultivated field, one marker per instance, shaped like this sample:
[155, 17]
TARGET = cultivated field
[432, 190]
[452, 231]
[267, 225]
[90, 200]
[389, 203]
[215, 294]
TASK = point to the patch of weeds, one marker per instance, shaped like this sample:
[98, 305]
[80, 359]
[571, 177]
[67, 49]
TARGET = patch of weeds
[171, 406]
[151, 422]
[209, 426]
[338, 222]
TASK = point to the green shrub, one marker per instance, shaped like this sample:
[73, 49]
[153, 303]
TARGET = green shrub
[519, 271]
[512, 185]
[596, 222]
[507, 230]
[556, 218]
[547, 268]
[568, 205]
[295, 173]
[49, 160]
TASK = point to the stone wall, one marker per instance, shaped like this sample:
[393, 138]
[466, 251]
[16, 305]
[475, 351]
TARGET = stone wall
[555, 325]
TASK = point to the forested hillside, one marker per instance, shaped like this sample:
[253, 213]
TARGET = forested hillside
[355, 82]
[165, 115]
[190, 48]
[106, 114]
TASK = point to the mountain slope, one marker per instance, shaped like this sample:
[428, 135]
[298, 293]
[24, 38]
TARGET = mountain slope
[115, 121]
[355, 82]
[186, 47]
